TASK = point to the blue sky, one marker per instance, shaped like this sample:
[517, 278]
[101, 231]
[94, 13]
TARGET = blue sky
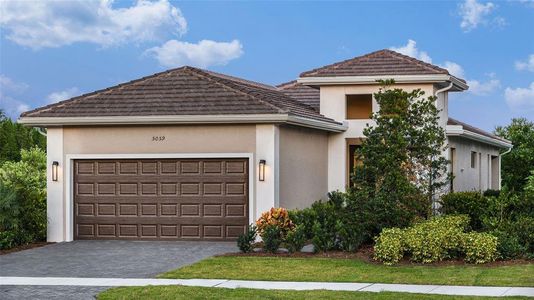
[55, 50]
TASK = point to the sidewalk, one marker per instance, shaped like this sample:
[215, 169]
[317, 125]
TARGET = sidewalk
[274, 285]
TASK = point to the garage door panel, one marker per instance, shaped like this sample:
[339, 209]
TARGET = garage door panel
[161, 199]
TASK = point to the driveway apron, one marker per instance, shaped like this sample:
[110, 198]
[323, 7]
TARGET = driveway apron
[96, 259]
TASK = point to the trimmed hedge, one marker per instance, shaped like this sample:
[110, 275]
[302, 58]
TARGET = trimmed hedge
[434, 240]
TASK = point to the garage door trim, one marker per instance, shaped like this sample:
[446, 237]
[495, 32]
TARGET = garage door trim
[69, 179]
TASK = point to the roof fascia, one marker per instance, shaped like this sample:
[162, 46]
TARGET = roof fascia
[457, 130]
[181, 119]
[337, 80]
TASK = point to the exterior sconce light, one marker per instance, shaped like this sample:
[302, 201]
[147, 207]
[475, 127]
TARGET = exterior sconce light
[55, 166]
[262, 170]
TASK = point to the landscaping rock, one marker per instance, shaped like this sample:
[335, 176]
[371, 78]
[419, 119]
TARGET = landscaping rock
[307, 249]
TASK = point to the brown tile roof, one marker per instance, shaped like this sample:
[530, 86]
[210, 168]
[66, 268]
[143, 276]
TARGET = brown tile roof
[474, 129]
[181, 91]
[303, 93]
[382, 62]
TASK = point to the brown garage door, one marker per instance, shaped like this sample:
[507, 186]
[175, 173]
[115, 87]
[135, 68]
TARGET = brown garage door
[164, 199]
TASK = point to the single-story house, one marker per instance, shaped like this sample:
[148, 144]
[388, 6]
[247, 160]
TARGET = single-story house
[193, 154]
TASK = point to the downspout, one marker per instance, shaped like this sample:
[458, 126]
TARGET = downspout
[40, 130]
[432, 196]
[444, 89]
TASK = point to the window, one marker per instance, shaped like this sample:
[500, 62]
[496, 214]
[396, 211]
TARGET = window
[354, 162]
[473, 159]
[359, 106]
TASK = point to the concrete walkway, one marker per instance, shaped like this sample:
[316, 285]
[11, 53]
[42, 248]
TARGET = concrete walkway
[272, 285]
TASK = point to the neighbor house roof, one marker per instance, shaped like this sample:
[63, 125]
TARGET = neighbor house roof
[302, 93]
[459, 128]
[184, 91]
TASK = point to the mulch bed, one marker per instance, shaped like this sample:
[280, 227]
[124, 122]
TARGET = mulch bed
[24, 247]
[366, 254]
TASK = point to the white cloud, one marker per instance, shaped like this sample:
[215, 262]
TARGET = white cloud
[529, 3]
[202, 54]
[410, 49]
[55, 23]
[11, 106]
[526, 65]
[483, 88]
[520, 99]
[453, 68]
[7, 84]
[476, 87]
[63, 95]
[474, 14]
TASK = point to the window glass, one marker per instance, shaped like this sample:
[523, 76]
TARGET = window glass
[473, 159]
[359, 106]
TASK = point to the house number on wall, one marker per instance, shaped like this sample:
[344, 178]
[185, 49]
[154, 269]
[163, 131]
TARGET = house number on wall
[160, 138]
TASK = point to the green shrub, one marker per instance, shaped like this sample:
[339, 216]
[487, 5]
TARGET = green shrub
[479, 247]
[23, 199]
[332, 224]
[436, 239]
[272, 238]
[472, 204]
[491, 193]
[304, 218]
[350, 234]
[389, 246]
[509, 246]
[246, 240]
[322, 239]
[295, 239]
[512, 215]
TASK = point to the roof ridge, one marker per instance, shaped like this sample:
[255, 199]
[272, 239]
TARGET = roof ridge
[417, 61]
[271, 89]
[97, 92]
[210, 76]
[389, 52]
[339, 63]
[238, 79]
[286, 84]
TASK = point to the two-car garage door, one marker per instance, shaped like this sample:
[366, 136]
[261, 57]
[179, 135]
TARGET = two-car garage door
[165, 199]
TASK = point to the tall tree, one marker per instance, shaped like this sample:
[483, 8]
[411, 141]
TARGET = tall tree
[15, 137]
[518, 164]
[403, 168]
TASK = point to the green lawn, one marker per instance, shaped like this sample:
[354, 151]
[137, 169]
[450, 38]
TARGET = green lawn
[352, 270]
[189, 293]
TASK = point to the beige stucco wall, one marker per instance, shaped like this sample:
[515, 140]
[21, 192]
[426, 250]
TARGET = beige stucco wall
[333, 105]
[178, 139]
[297, 170]
[486, 174]
[303, 166]
[66, 143]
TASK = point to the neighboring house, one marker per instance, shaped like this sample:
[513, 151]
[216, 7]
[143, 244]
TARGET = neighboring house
[193, 154]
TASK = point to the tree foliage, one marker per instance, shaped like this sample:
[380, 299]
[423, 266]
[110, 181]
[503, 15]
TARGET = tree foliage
[403, 167]
[14, 137]
[23, 199]
[519, 163]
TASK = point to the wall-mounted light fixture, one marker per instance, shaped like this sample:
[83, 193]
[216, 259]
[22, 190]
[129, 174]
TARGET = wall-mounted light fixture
[55, 166]
[262, 170]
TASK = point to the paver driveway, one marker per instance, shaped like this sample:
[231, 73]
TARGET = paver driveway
[117, 259]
